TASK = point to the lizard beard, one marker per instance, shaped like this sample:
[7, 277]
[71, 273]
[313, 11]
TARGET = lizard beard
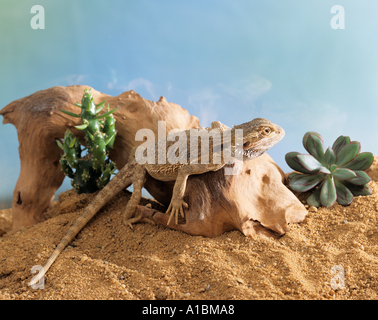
[250, 154]
[246, 154]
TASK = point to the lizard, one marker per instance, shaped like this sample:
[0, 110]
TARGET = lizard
[258, 136]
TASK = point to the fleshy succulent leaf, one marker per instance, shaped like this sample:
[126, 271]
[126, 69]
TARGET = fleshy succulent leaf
[307, 135]
[362, 162]
[324, 170]
[82, 126]
[70, 113]
[90, 135]
[339, 143]
[361, 178]
[328, 193]
[347, 153]
[100, 106]
[363, 190]
[309, 162]
[72, 143]
[344, 195]
[60, 144]
[305, 182]
[105, 114]
[293, 174]
[359, 146]
[315, 147]
[294, 163]
[314, 198]
[344, 174]
[108, 139]
[329, 157]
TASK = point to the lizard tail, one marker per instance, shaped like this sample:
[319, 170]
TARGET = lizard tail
[121, 181]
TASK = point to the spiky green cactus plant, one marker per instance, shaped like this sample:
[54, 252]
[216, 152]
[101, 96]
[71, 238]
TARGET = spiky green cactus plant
[94, 170]
[338, 173]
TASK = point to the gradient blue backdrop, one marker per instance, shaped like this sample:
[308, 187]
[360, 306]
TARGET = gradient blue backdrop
[221, 60]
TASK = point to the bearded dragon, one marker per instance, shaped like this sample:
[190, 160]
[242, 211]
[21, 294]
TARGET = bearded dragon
[258, 136]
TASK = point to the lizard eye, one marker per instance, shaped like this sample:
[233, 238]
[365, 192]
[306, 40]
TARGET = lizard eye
[266, 131]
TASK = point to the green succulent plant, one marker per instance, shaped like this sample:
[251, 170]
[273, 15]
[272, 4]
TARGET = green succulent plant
[336, 174]
[93, 171]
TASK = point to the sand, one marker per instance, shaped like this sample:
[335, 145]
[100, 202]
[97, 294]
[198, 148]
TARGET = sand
[110, 261]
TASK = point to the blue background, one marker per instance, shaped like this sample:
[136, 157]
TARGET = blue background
[230, 61]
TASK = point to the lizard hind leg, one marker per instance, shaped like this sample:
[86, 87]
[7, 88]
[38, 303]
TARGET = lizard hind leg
[138, 178]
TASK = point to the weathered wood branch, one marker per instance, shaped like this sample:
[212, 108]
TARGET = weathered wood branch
[254, 202]
[39, 123]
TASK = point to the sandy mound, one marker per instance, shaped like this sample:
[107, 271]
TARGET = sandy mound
[109, 261]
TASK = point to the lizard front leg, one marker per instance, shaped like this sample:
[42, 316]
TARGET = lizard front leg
[177, 202]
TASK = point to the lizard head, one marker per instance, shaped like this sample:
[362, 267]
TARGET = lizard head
[259, 135]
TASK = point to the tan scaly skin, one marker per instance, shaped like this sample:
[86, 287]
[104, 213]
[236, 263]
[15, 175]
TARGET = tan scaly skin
[258, 136]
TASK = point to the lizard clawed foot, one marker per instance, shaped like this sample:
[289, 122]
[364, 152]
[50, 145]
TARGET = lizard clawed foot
[147, 220]
[176, 207]
[139, 218]
[129, 222]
